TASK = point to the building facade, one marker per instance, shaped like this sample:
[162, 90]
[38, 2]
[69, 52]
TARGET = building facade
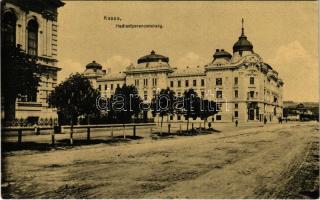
[243, 85]
[33, 25]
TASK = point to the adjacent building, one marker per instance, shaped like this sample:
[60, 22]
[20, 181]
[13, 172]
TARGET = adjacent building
[245, 87]
[33, 25]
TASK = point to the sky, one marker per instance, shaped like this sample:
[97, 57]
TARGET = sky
[284, 34]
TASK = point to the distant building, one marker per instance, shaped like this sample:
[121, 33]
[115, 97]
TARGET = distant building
[301, 112]
[33, 25]
[244, 86]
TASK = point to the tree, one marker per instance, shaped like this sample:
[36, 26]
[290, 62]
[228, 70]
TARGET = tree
[74, 97]
[125, 104]
[163, 104]
[207, 109]
[191, 105]
[20, 74]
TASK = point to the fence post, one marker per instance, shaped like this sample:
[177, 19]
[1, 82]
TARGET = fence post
[111, 131]
[134, 130]
[124, 132]
[36, 130]
[19, 136]
[88, 133]
[52, 138]
[71, 135]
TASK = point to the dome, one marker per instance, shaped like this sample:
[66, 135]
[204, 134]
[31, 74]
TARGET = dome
[94, 65]
[243, 44]
[153, 57]
[221, 54]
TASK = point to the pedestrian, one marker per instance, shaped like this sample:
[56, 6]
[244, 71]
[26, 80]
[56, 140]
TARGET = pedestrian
[236, 123]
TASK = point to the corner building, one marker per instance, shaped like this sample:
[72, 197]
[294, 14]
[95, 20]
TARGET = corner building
[245, 87]
[33, 25]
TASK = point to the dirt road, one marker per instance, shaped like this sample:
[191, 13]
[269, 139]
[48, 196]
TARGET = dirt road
[259, 162]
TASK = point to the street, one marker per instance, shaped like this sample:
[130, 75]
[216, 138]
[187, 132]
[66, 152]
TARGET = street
[272, 161]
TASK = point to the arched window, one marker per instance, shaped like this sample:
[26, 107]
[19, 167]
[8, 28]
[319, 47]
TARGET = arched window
[8, 29]
[33, 37]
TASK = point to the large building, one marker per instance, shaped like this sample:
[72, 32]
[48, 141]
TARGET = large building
[33, 25]
[244, 86]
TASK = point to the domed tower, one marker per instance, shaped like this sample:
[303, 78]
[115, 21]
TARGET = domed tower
[153, 57]
[93, 71]
[242, 47]
[149, 74]
[221, 57]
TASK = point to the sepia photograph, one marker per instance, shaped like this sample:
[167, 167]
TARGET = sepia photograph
[159, 99]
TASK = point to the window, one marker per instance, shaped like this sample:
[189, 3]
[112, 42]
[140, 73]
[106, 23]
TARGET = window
[136, 82]
[236, 80]
[171, 117]
[179, 94]
[236, 106]
[219, 94]
[145, 82]
[218, 81]
[154, 82]
[179, 117]
[111, 86]
[118, 85]
[171, 83]
[32, 37]
[187, 83]
[251, 94]
[236, 94]
[218, 117]
[99, 87]
[179, 83]
[202, 82]
[202, 94]
[145, 95]
[219, 106]
[251, 80]
[235, 113]
[105, 87]
[8, 29]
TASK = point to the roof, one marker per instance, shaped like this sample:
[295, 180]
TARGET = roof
[113, 77]
[93, 65]
[221, 54]
[243, 44]
[153, 57]
[188, 71]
